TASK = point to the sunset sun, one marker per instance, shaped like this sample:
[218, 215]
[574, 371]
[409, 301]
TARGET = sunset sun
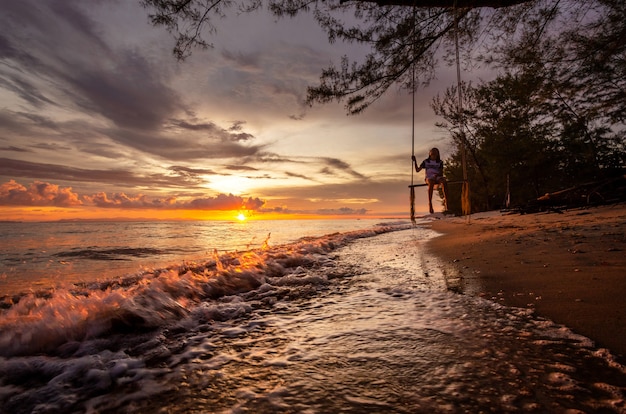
[241, 217]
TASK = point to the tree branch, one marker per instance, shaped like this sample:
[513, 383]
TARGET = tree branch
[444, 3]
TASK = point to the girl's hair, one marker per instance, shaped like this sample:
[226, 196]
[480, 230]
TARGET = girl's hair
[435, 152]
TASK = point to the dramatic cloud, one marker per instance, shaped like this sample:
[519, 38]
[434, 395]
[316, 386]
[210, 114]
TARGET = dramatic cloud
[93, 99]
[117, 83]
[45, 194]
[121, 200]
[181, 177]
[54, 39]
[37, 194]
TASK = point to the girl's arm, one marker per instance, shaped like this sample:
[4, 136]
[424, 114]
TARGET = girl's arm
[417, 169]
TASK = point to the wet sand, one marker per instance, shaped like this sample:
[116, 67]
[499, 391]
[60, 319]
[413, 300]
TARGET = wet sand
[569, 267]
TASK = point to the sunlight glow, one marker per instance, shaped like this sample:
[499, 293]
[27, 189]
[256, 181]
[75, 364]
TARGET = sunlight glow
[231, 184]
[241, 217]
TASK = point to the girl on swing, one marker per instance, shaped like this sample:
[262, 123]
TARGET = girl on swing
[434, 176]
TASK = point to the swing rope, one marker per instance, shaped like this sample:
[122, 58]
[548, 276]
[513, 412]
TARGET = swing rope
[465, 191]
[412, 187]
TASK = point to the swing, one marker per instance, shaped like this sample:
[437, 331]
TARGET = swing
[465, 190]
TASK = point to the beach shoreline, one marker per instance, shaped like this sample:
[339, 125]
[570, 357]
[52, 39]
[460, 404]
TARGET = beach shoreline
[567, 266]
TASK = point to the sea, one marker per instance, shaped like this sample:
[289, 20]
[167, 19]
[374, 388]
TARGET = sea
[303, 316]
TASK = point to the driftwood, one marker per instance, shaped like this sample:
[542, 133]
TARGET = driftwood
[607, 191]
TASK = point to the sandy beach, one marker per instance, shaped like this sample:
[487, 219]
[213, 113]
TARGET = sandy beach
[569, 267]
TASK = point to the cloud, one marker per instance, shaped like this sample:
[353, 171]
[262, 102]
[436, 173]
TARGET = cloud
[92, 98]
[131, 92]
[121, 200]
[186, 147]
[12, 148]
[54, 40]
[69, 62]
[359, 194]
[41, 193]
[22, 123]
[271, 76]
[182, 177]
[192, 172]
[224, 202]
[215, 132]
[243, 61]
[37, 194]
[295, 175]
[337, 164]
[240, 168]
[343, 211]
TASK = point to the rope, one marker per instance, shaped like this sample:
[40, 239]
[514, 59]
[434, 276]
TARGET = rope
[412, 198]
[465, 191]
[412, 187]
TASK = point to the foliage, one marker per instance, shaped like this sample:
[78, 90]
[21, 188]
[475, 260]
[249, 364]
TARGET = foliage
[555, 116]
[579, 45]
[516, 136]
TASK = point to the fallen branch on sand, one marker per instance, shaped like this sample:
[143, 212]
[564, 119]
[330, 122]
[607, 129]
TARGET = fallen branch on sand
[607, 191]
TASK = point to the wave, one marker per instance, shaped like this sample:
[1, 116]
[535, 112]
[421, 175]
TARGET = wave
[295, 328]
[58, 321]
[122, 253]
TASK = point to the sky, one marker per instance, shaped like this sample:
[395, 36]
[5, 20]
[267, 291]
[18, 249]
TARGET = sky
[99, 120]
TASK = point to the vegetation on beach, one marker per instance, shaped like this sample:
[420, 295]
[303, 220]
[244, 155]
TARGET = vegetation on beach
[555, 116]
[524, 138]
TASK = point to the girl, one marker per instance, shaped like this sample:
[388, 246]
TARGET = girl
[434, 176]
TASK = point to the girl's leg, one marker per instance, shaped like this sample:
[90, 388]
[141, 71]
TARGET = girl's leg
[444, 185]
[430, 196]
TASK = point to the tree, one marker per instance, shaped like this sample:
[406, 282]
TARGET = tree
[506, 136]
[584, 88]
[517, 136]
[581, 45]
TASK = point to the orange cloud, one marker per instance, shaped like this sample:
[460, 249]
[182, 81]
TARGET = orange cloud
[46, 194]
[225, 202]
[219, 202]
[119, 200]
[37, 194]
